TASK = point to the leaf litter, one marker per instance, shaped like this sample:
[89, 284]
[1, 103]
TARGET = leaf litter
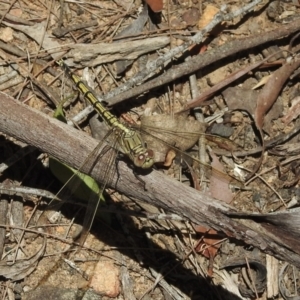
[268, 108]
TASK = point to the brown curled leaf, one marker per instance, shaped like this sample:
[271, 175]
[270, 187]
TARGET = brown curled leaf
[220, 85]
[22, 268]
[260, 274]
[267, 98]
[271, 90]
[209, 245]
[156, 5]
[218, 187]
[283, 290]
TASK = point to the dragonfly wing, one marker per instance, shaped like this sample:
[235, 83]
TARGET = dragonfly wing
[83, 186]
[163, 133]
[163, 137]
[96, 195]
[95, 198]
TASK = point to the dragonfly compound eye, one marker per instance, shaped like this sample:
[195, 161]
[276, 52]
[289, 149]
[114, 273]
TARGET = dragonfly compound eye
[145, 160]
[150, 154]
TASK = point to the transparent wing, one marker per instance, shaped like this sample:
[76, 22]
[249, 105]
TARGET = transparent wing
[84, 187]
[165, 133]
[81, 185]
[95, 199]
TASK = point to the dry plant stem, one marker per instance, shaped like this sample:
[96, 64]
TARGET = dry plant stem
[15, 19]
[60, 32]
[3, 217]
[6, 12]
[201, 61]
[196, 39]
[22, 55]
[280, 139]
[272, 265]
[196, 101]
[72, 147]
[25, 192]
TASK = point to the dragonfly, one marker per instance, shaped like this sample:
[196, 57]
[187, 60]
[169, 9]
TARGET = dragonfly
[129, 139]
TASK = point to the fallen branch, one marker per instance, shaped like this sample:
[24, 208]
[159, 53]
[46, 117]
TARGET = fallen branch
[72, 147]
[199, 62]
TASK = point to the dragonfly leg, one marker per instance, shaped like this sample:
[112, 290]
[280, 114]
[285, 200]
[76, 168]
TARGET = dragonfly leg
[136, 175]
[132, 166]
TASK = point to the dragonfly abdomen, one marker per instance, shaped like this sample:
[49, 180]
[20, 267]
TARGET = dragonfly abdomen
[130, 141]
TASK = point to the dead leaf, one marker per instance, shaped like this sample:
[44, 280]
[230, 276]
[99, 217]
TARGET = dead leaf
[223, 83]
[238, 98]
[156, 5]
[171, 154]
[245, 100]
[208, 246]
[222, 143]
[266, 99]
[210, 241]
[218, 187]
[262, 82]
[164, 132]
[271, 90]
[21, 268]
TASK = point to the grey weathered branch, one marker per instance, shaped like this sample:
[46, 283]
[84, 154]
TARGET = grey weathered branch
[72, 147]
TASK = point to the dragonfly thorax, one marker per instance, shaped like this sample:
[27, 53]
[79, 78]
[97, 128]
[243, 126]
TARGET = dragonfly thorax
[133, 146]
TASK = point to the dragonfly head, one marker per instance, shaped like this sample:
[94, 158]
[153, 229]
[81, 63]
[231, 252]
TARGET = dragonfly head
[144, 160]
